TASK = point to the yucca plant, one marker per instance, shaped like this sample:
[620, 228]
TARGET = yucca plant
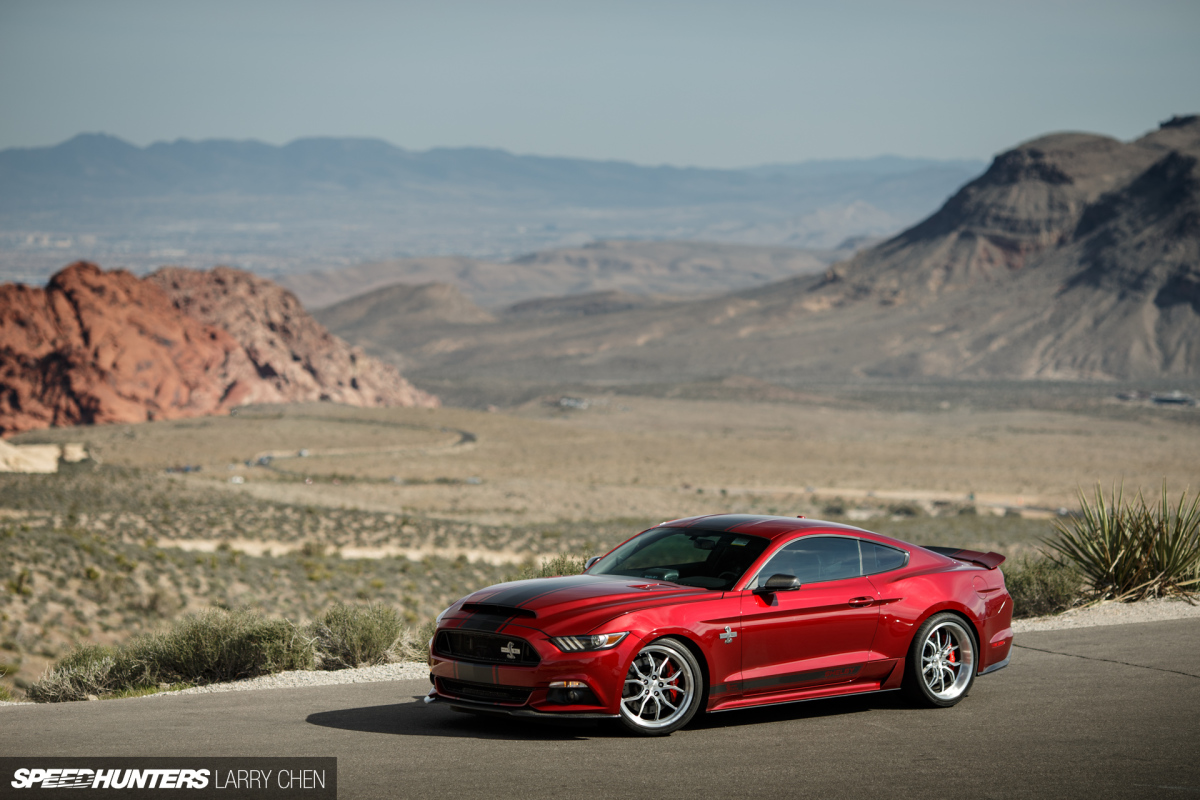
[1129, 550]
[1173, 534]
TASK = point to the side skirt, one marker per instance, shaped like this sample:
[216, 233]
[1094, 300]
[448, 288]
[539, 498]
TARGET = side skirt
[830, 696]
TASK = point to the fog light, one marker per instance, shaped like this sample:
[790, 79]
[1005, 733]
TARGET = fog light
[571, 693]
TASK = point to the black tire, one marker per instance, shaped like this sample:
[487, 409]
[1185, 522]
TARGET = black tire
[663, 671]
[942, 660]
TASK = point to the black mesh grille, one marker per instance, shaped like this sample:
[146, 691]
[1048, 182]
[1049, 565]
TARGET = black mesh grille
[485, 648]
[485, 693]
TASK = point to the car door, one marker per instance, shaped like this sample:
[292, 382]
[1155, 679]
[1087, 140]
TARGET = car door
[818, 634]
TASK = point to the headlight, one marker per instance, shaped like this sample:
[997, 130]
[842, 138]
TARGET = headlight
[599, 641]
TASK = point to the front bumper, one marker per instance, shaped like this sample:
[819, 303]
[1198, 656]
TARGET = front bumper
[525, 690]
[522, 711]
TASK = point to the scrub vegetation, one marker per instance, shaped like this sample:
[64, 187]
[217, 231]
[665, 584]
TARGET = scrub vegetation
[551, 568]
[1041, 586]
[216, 646]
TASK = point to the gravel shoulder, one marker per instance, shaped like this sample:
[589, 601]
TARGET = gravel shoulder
[1106, 614]
[1159, 610]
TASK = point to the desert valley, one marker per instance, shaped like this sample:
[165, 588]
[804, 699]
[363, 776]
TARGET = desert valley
[408, 430]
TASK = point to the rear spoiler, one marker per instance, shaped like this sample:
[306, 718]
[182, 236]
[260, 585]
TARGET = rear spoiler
[986, 560]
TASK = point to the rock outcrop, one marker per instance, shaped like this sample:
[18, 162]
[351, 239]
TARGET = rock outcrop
[293, 356]
[103, 347]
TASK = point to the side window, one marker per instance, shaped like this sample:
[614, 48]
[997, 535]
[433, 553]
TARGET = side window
[880, 558]
[816, 559]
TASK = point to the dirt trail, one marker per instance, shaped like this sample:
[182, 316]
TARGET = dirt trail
[258, 547]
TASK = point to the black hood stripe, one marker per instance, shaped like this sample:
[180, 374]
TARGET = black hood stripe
[517, 596]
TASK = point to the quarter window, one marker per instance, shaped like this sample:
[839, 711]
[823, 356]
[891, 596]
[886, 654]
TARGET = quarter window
[880, 558]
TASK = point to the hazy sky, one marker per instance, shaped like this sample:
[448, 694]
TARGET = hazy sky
[688, 83]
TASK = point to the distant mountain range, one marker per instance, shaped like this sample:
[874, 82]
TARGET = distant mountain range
[327, 203]
[1074, 256]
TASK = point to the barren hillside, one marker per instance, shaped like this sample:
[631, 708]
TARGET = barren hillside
[1073, 257]
[686, 269]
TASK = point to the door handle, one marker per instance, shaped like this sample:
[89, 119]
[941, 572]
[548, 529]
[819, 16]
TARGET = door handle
[861, 602]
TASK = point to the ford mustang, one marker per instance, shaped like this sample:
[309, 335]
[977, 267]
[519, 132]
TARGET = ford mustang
[723, 612]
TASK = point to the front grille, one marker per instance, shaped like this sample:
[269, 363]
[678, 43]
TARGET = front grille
[485, 693]
[485, 648]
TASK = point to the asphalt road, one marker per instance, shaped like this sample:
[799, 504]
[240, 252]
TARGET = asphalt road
[1097, 713]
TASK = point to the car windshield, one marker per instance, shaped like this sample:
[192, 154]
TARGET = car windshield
[689, 557]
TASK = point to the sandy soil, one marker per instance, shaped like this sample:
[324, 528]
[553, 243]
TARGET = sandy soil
[650, 457]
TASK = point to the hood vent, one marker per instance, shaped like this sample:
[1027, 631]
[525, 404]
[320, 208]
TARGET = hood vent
[496, 610]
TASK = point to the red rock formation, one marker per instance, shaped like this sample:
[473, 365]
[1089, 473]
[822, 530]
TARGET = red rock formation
[97, 347]
[294, 356]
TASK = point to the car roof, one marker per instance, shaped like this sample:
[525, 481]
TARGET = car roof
[763, 525]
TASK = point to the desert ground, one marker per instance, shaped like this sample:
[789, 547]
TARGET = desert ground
[290, 508]
[607, 455]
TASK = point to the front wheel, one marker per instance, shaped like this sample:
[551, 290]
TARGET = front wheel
[941, 661]
[662, 689]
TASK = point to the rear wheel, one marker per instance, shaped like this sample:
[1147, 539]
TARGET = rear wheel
[662, 689]
[941, 661]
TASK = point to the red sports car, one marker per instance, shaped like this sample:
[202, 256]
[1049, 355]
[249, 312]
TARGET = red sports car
[724, 612]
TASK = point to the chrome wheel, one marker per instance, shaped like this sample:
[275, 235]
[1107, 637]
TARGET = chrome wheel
[661, 690]
[947, 660]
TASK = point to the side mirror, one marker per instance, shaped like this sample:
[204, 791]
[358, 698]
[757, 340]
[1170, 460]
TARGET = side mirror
[588, 564]
[779, 583]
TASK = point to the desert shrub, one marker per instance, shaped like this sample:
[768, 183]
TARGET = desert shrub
[905, 510]
[219, 645]
[413, 644]
[1041, 586]
[206, 648]
[558, 565]
[1130, 550]
[356, 635]
[6, 695]
[86, 670]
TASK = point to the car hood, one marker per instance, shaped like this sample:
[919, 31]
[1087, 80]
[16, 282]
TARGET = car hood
[578, 601]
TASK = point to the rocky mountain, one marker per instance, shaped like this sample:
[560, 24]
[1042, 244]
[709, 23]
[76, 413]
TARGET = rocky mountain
[1074, 256]
[103, 347]
[319, 202]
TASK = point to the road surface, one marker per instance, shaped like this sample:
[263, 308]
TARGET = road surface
[1109, 712]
